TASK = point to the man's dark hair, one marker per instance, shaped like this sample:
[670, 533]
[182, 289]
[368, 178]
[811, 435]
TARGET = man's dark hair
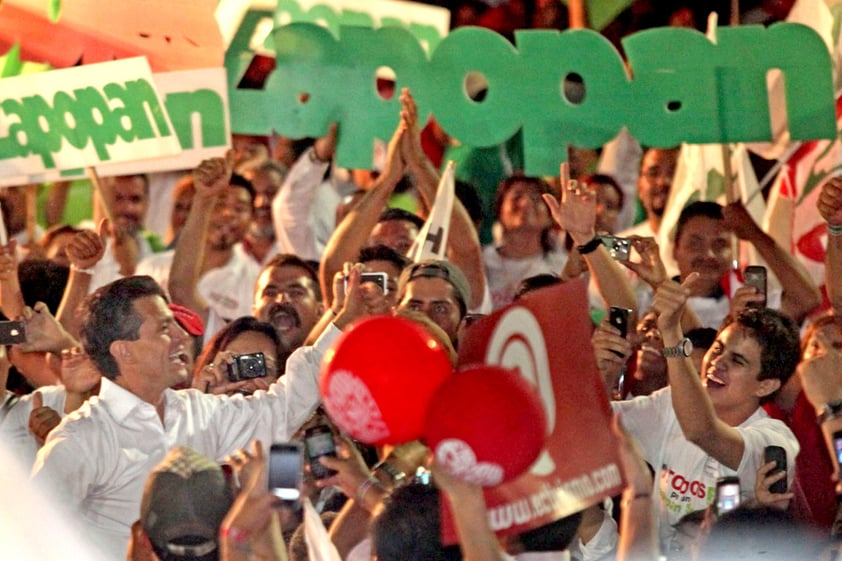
[292, 260]
[43, 281]
[533, 283]
[408, 527]
[554, 536]
[777, 335]
[381, 252]
[706, 209]
[401, 214]
[109, 315]
[469, 197]
[702, 337]
[603, 179]
[238, 180]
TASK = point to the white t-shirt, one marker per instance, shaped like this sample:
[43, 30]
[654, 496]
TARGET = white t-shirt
[14, 425]
[685, 475]
[228, 290]
[503, 275]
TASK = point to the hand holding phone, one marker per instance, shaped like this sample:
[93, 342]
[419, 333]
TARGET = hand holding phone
[285, 470]
[318, 442]
[778, 455]
[755, 276]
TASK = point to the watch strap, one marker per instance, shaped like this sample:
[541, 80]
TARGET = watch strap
[589, 247]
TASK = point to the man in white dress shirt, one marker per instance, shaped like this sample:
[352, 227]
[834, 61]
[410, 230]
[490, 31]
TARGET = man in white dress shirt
[97, 460]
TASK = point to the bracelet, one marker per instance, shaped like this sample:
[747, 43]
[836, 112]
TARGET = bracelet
[834, 230]
[589, 247]
[365, 486]
[237, 536]
[88, 271]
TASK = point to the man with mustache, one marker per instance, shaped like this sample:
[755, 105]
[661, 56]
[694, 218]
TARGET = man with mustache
[287, 295]
[703, 245]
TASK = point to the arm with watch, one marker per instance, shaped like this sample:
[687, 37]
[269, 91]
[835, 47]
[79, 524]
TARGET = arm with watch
[693, 408]
[821, 380]
[576, 214]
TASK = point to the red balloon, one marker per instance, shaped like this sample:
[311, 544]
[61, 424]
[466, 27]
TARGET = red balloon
[379, 378]
[486, 425]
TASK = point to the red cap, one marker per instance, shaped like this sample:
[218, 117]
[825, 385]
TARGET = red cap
[188, 320]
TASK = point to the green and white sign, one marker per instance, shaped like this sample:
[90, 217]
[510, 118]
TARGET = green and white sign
[84, 116]
[196, 102]
[680, 87]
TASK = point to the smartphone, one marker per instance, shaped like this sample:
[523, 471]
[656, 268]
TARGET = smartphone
[380, 279]
[619, 318]
[778, 455]
[727, 494]
[12, 332]
[318, 442]
[285, 470]
[618, 248]
[755, 275]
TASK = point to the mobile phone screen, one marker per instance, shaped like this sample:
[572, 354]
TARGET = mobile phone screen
[285, 471]
[837, 444]
[727, 497]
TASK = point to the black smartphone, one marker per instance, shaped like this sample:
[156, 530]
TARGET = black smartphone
[379, 279]
[619, 318]
[12, 332]
[318, 442]
[727, 494]
[285, 470]
[755, 275]
[618, 248]
[778, 455]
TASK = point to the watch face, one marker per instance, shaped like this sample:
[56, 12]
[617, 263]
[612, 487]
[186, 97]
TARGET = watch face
[687, 347]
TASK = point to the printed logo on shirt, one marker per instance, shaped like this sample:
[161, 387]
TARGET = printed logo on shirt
[681, 494]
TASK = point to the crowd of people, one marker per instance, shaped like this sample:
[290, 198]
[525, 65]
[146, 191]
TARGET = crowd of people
[156, 368]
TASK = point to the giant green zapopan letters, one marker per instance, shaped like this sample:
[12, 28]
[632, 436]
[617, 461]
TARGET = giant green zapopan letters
[682, 87]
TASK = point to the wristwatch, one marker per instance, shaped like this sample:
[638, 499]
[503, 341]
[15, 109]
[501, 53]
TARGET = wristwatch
[683, 349]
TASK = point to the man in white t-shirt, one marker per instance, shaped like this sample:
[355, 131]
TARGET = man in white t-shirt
[701, 428]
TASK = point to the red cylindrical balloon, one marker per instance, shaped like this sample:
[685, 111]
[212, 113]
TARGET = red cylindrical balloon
[379, 378]
[486, 425]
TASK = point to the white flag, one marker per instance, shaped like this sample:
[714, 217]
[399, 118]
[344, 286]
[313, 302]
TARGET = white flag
[431, 242]
[319, 546]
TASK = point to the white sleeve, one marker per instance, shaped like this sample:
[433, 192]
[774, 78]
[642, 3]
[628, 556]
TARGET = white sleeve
[292, 205]
[602, 545]
[756, 437]
[646, 418]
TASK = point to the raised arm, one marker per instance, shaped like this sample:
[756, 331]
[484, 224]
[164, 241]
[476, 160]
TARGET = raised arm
[84, 251]
[211, 178]
[11, 298]
[463, 249]
[800, 294]
[576, 213]
[353, 232]
[830, 207]
[294, 201]
[693, 408]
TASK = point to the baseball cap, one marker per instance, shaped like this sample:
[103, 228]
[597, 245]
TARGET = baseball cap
[434, 268]
[189, 320]
[184, 502]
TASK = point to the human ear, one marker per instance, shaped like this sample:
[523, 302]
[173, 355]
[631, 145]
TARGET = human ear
[768, 387]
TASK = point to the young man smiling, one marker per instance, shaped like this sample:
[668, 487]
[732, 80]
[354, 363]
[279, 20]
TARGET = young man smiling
[703, 427]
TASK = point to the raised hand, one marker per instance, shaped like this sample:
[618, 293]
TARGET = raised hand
[669, 301]
[42, 419]
[650, 268]
[830, 201]
[86, 248]
[213, 175]
[576, 212]
[611, 352]
[325, 146]
[43, 332]
[821, 375]
[78, 372]
[411, 150]
[738, 220]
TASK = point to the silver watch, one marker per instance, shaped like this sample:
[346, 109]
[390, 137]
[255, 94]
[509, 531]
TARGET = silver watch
[684, 348]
